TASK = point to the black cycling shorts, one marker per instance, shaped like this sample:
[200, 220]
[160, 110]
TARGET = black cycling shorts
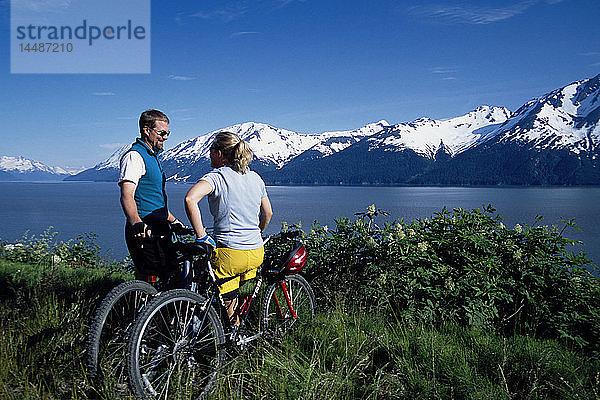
[152, 255]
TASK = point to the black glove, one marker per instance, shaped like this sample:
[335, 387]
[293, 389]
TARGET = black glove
[139, 229]
[179, 228]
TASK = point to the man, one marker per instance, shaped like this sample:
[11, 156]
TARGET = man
[144, 200]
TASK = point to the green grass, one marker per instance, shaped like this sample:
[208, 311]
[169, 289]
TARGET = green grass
[44, 317]
[348, 355]
[343, 354]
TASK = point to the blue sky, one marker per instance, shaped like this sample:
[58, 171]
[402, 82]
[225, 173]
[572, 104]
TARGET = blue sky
[304, 65]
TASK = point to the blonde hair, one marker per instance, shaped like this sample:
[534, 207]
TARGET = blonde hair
[236, 151]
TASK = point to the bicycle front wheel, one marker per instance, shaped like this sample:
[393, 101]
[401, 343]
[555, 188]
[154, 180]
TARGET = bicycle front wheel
[176, 347]
[286, 303]
[109, 331]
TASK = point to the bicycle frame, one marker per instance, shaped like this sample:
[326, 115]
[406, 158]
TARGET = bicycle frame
[213, 294]
[194, 276]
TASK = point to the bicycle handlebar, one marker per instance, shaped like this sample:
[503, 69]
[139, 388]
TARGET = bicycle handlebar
[183, 230]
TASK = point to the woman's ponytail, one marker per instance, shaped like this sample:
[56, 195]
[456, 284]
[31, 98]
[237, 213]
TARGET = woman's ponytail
[241, 157]
[236, 151]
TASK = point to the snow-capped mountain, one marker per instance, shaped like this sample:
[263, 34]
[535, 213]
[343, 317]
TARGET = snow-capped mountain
[396, 153]
[553, 139]
[273, 147]
[426, 136]
[106, 170]
[21, 168]
[565, 118]
[114, 159]
[550, 140]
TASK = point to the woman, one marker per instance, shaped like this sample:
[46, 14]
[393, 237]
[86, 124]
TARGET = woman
[241, 211]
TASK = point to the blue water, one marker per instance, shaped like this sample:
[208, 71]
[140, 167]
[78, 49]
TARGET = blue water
[74, 208]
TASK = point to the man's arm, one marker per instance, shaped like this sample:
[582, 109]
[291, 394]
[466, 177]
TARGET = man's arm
[129, 206]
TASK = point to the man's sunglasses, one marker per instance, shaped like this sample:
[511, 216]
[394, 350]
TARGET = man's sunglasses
[162, 133]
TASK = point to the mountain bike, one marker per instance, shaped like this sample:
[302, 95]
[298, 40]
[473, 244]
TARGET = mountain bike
[179, 342]
[112, 323]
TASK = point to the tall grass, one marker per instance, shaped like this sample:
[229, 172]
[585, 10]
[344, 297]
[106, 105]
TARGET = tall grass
[44, 315]
[343, 354]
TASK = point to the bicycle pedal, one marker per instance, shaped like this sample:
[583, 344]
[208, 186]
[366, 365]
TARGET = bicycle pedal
[243, 339]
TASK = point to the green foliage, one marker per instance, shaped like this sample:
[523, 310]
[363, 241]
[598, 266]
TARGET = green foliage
[455, 306]
[31, 248]
[462, 266]
[46, 250]
[345, 353]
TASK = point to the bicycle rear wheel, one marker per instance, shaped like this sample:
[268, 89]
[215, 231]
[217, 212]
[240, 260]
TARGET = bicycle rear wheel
[286, 303]
[176, 347]
[109, 331]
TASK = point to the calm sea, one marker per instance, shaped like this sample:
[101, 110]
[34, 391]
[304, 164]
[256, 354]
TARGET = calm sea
[74, 208]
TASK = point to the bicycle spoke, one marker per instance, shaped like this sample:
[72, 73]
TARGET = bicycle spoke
[177, 353]
[288, 301]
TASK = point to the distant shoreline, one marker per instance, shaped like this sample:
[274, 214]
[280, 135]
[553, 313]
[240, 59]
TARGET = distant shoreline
[347, 185]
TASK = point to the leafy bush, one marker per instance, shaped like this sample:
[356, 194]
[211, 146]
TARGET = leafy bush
[46, 250]
[31, 248]
[462, 266]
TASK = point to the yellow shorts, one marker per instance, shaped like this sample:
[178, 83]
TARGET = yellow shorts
[230, 262]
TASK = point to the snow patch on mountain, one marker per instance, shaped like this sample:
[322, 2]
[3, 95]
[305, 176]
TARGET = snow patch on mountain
[271, 144]
[565, 118]
[333, 142]
[25, 165]
[114, 159]
[426, 136]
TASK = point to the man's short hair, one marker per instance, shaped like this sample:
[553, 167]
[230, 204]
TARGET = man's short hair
[149, 118]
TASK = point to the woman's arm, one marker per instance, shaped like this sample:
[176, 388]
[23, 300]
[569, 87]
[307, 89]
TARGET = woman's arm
[266, 212]
[193, 196]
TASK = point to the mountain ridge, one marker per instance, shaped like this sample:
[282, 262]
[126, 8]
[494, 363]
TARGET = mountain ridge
[554, 139]
[20, 168]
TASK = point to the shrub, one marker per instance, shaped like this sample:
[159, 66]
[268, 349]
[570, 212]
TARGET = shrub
[46, 250]
[461, 266]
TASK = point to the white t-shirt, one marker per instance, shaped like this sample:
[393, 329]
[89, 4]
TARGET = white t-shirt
[132, 167]
[235, 205]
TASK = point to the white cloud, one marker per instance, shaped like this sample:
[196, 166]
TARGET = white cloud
[283, 3]
[232, 11]
[442, 70]
[103, 94]
[181, 78]
[463, 14]
[236, 34]
[444, 73]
